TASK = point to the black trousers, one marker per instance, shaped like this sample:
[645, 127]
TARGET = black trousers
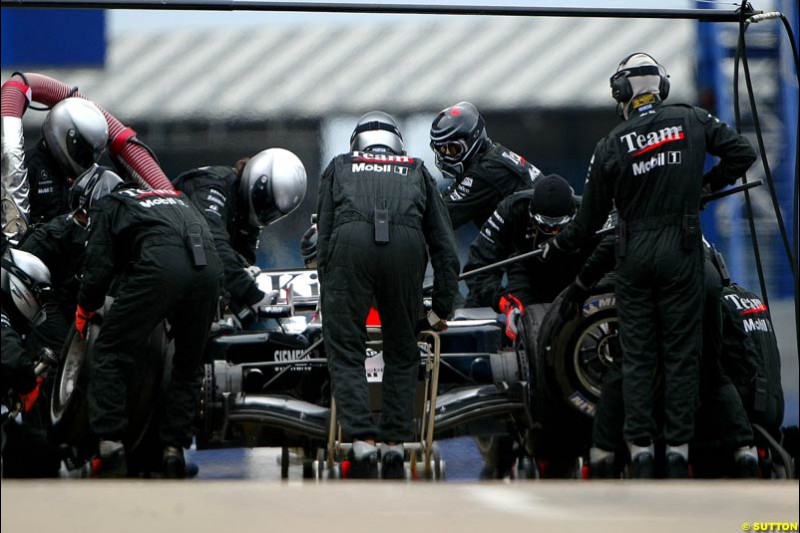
[360, 272]
[163, 284]
[609, 416]
[721, 417]
[660, 304]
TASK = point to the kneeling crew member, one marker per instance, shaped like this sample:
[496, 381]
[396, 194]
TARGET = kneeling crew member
[25, 287]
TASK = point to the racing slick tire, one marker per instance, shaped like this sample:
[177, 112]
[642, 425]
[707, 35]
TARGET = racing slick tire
[578, 352]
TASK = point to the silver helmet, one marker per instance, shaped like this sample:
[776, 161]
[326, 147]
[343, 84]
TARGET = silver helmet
[377, 129]
[26, 280]
[272, 185]
[90, 186]
[76, 133]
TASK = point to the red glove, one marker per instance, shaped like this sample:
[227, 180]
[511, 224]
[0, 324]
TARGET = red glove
[82, 318]
[29, 398]
[513, 309]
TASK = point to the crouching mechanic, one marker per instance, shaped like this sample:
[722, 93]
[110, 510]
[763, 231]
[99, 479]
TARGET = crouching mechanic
[164, 253]
[25, 283]
[651, 168]
[238, 203]
[520, 224]
[484, 172]
[379, 210]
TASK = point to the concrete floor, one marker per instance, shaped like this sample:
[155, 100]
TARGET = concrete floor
[353, 507]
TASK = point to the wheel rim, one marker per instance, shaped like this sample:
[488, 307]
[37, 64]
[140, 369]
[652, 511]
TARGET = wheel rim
[69, 376]
[594, 353]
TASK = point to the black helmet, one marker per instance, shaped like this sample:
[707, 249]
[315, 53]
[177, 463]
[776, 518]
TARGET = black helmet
[552, 206]
[76, 133]
[376, 130]
[308, 247]
[92, 185]
[272, 185]
[457, 134]
[25, 281]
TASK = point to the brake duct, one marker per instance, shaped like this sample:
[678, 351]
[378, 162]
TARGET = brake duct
[16, 94]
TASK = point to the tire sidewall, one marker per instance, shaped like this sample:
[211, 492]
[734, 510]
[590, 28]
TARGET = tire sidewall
[560, 344]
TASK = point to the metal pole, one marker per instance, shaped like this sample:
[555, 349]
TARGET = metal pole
[705, 15]
[602, 233]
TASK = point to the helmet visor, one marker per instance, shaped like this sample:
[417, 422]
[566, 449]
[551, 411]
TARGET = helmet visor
[28, 294]
[80, 218]
[552, 225]
[81, 151]
[42, 294]
[263, 204]
[449, 151]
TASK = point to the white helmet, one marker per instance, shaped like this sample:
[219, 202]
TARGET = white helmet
[76, 132]
[636, 75]
[273, 184]
[26, 280]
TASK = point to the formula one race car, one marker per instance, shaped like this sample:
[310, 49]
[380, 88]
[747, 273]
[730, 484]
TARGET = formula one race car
[269, 385]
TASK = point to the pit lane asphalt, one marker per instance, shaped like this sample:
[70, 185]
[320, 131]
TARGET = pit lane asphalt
[385, 507]
[462, 461]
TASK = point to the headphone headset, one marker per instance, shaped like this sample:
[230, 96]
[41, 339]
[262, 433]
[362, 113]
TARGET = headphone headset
[621, 88]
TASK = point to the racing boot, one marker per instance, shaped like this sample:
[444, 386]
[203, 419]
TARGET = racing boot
[363, 460]
[174, 463]
[642, 460]
[110, 460]
[677, 462]
[746, 461]
[602, 464]
[392, 463]
[192, 470]
[499, 456]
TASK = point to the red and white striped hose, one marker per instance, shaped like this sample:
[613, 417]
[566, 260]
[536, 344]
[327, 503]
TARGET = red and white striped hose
[15, 94]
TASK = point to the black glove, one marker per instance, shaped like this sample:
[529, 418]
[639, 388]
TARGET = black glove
[308, 247]
[430, 322]
[715, 180]
[572, 301]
